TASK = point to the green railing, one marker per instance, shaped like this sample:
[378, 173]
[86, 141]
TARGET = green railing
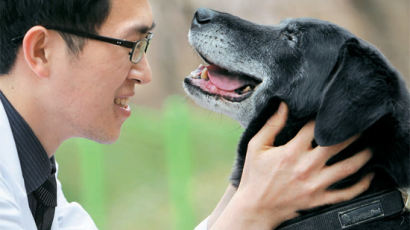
[169, 168]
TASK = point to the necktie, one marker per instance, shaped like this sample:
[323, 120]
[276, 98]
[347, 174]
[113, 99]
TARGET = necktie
[46, 196]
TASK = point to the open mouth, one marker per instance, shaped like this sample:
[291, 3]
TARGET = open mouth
[216, 81]
[122, 102]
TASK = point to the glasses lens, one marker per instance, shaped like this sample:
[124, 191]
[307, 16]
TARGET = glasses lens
[138, 51]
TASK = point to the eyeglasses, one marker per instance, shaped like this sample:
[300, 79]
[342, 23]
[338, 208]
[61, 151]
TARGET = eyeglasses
[138, 48]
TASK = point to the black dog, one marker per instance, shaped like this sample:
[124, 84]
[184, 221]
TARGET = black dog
[323, 73]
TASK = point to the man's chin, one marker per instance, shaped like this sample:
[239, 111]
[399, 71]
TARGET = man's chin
[108, 139]
[104, 137]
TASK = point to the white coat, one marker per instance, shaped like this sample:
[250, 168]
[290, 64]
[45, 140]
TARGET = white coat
[15, 212]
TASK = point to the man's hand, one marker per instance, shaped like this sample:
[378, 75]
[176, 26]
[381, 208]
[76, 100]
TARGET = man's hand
[279, 181]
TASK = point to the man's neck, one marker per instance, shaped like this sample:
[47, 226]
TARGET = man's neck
[23, 99]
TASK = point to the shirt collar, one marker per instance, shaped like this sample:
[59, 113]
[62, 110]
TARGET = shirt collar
[35, 164]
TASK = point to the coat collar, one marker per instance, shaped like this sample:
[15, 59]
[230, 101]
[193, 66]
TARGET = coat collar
[10, 171]
[35, 164]
[9, 161]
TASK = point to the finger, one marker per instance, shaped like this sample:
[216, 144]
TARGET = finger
[329, 151]
[267, 134]
[345, 168]
[337, 196]
[304, 137]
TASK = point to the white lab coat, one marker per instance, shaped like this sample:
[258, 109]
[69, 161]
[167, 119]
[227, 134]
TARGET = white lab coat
[15, 212]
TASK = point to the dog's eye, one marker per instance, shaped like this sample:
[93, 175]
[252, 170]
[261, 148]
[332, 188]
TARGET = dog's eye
[289, 36]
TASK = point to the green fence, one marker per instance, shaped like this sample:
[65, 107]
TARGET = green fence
[167, 170]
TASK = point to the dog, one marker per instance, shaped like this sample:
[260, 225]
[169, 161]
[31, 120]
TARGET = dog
[323, 73]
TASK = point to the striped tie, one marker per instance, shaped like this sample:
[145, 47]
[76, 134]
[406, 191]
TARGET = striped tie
[46, 195]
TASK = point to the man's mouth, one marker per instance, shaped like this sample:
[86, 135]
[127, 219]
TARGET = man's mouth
[122, 102]
[216, 81]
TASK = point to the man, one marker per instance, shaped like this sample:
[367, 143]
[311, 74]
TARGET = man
[68, 68]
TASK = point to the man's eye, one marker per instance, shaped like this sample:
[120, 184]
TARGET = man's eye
[134, 38]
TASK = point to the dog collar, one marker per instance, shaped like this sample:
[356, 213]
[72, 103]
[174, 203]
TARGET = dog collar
[406, 198]
[369, 208]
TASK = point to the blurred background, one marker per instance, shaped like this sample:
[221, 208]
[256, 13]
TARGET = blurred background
[172, 162]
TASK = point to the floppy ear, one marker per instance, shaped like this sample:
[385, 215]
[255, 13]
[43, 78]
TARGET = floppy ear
[359, 93]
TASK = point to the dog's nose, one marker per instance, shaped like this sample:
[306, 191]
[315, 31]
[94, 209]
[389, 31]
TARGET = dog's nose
[203, 16]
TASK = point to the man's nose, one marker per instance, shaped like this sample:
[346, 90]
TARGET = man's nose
[141, 72]
[203, 16]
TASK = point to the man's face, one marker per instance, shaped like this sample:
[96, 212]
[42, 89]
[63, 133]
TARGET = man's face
[85, 88]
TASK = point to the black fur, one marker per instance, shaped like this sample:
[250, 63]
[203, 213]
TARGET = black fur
[364, 96]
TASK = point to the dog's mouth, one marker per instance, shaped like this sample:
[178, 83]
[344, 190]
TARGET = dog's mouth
[218, 82]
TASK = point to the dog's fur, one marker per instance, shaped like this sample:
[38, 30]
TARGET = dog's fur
[323, 73]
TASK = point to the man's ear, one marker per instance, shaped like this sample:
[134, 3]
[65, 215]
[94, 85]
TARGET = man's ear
[35, 50]
[359, 93]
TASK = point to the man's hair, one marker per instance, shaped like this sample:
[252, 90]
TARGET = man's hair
[18, 16]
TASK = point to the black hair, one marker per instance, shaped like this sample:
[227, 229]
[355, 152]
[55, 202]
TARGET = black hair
[18, 16]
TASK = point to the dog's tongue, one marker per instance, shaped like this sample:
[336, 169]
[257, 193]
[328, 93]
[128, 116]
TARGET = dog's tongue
[223, 82]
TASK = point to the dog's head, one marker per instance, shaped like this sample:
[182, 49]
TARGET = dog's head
[318, 68]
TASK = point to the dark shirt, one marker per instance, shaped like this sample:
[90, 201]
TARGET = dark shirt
[35, 164]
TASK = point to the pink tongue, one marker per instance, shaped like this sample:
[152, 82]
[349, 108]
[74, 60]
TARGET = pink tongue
[224, 82]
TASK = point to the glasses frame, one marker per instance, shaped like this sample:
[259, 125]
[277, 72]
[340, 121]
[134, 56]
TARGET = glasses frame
[119, 42]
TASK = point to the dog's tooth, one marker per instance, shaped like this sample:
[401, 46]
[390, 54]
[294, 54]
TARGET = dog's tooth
[247, 89]
[204, 74]
[196, 73]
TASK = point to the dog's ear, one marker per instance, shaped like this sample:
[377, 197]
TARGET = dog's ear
[358, 94]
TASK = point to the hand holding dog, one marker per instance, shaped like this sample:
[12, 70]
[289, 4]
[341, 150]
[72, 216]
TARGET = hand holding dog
[277, 181]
